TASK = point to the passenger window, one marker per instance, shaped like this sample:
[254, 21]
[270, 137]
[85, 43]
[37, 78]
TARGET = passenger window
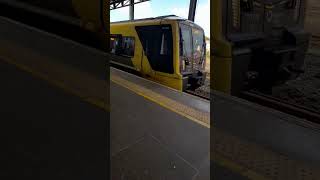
[122, 45]
[115, 41]
[128, 46]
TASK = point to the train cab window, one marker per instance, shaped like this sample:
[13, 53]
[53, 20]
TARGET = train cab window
[198, 44]
[157, 42]
[192, 48]
[186, 38]
[185, 48]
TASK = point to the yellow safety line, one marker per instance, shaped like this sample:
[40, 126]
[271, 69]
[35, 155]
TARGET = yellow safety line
[94, 101]
[236, 168]
[202, 118]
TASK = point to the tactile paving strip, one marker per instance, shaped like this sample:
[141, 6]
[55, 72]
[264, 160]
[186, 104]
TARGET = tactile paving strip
[200, 117]
[256, 162]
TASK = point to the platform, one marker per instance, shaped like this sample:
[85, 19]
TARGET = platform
[53, 106]
[256, 142]
[36, 124]
[157, 132]
[53, 110]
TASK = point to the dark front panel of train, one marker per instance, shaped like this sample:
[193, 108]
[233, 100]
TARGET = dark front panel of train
[256, 17]
[270, 33]
[157, 45]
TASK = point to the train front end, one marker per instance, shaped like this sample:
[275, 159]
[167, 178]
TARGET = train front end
[192, 53]
[264, 40]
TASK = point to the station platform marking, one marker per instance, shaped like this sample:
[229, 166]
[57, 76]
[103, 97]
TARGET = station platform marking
[202, 118]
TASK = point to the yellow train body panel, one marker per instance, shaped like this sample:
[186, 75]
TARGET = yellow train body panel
[222, 54]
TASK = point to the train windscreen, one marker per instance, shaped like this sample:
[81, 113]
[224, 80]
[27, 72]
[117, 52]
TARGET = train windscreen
[192, 49]
[198, 48]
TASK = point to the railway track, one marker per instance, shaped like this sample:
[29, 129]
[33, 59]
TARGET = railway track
[201, 95]
[283, 106]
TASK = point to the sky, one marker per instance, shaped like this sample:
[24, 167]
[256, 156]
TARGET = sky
[156, 8]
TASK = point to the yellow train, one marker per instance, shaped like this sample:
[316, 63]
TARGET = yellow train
[168, 49]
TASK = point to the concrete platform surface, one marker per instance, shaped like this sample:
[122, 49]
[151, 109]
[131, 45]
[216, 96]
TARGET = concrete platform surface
[263, 143]
[149, 140]
[47, 133]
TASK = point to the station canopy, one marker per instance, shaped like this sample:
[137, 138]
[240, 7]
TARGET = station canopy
[116, 4]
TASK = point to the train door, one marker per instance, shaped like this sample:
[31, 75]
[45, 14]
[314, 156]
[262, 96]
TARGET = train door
[157, 45]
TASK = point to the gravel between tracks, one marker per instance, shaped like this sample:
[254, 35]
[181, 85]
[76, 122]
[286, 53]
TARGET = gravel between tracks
[205, 89]
[304, 91]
